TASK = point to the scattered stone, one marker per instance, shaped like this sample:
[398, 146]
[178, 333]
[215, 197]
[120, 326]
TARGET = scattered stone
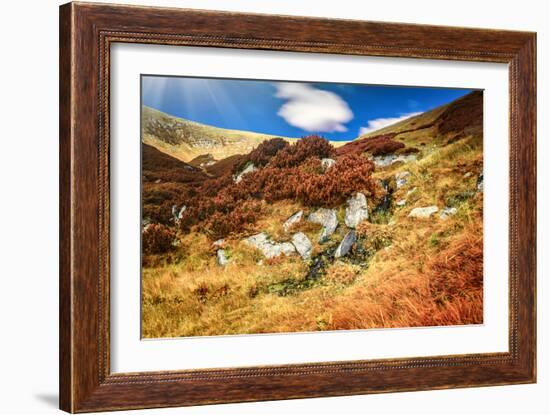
[158, 181]
[181, 212]
[356, 211]
[410, 192]
[447, 211]
[177, 213]
[389, 159]
[327, 218]
[401, 178]
[218, 243]
[327, 164]
[423, 212]
[346, 244]
[302, 244]
[468, 174]
[222, 258]
[269, 248]
[480, 183]
[248, 169]
[401, 202]
[295, 218]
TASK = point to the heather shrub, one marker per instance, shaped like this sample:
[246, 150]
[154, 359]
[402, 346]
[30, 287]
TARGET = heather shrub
[293, 155]
[157, 239]
[262, 154]
[352, 173]
[377, 146]
[221, 224]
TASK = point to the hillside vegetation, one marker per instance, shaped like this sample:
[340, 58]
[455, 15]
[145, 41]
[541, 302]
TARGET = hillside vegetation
[385, 231]
[186, 140]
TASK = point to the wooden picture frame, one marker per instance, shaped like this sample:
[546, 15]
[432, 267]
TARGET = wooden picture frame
[86, 33]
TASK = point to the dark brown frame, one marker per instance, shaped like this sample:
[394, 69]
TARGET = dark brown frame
[86, 33]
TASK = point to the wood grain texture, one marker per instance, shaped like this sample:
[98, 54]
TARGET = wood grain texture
[86, 33]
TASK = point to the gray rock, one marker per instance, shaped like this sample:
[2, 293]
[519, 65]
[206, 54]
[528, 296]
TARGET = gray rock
[480, 183]
[446, 212]
[248, 169]
[423, 212]
[218, 243]
[346, 244]
[389, 159]
[410, 192]
[327, 163]
[401, 178]
[177, 213]
[269, 248]
[302, 244]
[222, 258]
[327, 218]
[468, 174]
[401, 202]
[295, 218]
[158, 181]
[356, 211]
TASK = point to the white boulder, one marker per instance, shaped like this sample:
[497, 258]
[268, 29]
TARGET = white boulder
[248, 169]
[269, 248]
[302, 244]
[423, 212]
[294, 218]
[327, 218]
[356, 211]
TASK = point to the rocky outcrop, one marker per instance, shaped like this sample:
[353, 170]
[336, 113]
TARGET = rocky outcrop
[248, 169]
[423, 212]
[327, 164]
[302, 244]
[177, 213]
[446, 212]
[356, 211]
[327, 218]
[293, 219]
[269, 248]
[389, 159]
[222, 258]
[401, 179]
[346, 244]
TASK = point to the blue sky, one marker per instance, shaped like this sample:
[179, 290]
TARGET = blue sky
[338, 112]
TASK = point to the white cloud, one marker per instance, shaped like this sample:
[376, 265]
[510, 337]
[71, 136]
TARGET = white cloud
[313, 109]
[379, 123]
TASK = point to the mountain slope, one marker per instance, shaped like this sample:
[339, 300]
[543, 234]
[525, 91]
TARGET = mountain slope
[186, 140]
[463, 115]
[422, 134]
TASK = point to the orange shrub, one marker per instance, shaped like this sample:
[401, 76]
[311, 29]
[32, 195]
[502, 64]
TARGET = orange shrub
[377, 146]
[262, 154]
[157, 239]
[222, 224]
[311, 146]
[352, 173]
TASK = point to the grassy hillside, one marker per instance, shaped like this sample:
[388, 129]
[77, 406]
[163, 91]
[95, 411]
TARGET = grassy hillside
[186, 140]
[402, 270]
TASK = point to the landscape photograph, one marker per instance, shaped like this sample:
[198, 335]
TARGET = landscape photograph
[272, 206]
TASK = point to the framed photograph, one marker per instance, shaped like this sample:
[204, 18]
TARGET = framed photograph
[260, 207]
